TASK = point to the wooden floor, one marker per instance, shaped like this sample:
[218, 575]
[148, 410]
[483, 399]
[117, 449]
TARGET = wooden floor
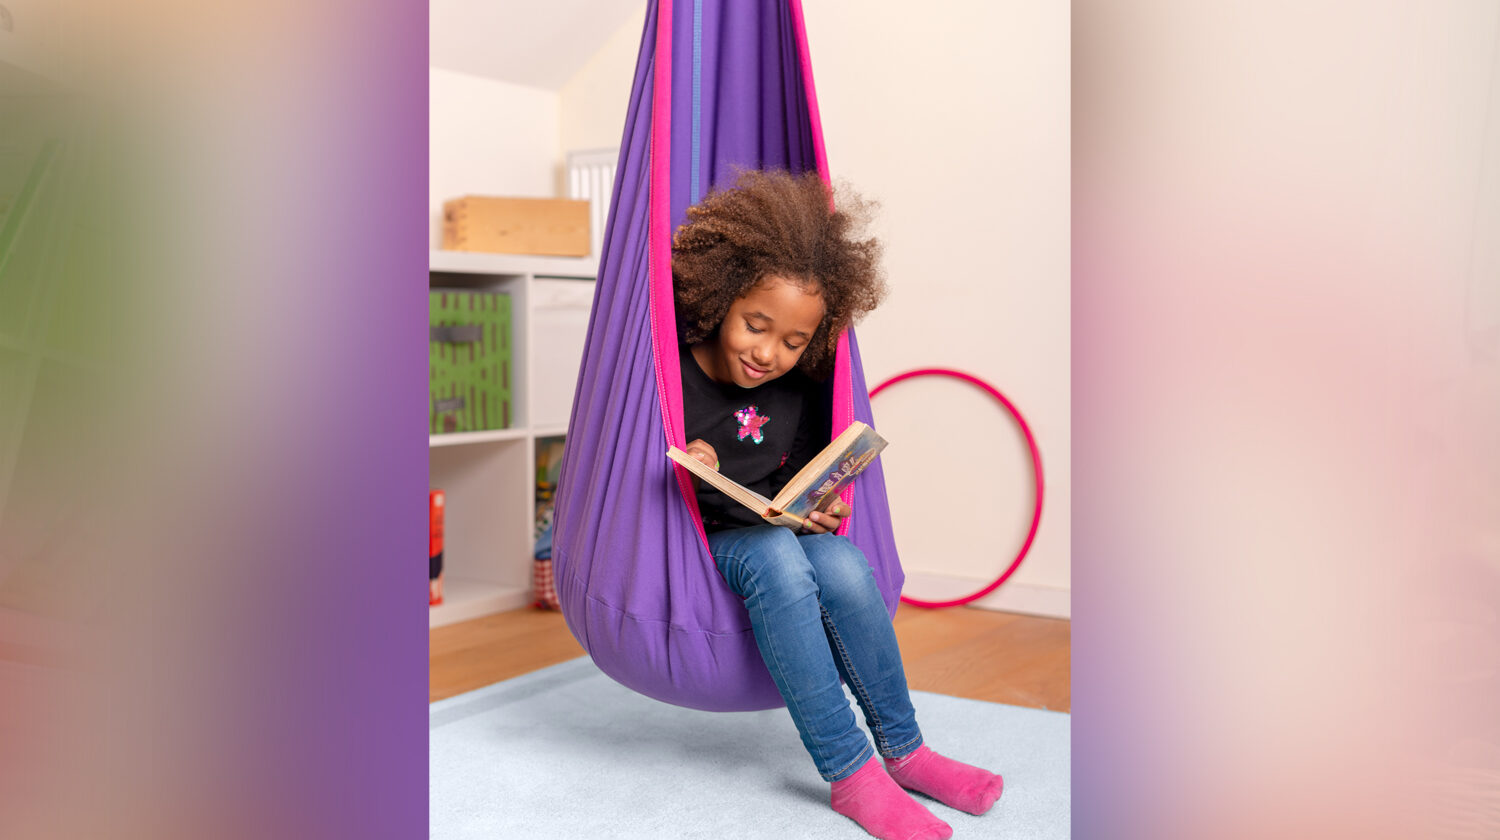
[963, 652]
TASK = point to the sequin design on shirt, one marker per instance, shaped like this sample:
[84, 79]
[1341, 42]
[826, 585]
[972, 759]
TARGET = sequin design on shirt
[750, 422]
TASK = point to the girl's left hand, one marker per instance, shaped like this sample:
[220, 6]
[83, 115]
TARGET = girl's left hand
[828, 521]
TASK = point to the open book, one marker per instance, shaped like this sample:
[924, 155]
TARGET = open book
[813, 488]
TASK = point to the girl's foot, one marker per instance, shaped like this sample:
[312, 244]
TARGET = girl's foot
[950, 782]
[870, 798]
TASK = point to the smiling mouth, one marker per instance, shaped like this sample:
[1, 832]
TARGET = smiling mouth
[752, 371]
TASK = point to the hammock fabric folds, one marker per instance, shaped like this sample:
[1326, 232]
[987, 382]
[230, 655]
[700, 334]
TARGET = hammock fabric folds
[720, 85]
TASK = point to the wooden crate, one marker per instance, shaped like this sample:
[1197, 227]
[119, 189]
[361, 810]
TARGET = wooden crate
[547, 226]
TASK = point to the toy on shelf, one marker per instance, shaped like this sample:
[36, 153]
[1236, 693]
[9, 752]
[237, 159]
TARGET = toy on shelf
[548, 461]
[469, 361]
[435, 505]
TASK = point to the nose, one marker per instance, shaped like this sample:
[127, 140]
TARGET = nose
[762, 354]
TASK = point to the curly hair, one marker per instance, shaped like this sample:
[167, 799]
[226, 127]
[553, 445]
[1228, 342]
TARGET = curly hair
[776, 223]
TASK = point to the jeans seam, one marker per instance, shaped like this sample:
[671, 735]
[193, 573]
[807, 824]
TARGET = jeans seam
[877, 728]
[897, 749]
[865, 754]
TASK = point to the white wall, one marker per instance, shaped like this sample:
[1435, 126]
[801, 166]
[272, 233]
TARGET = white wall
[958, 124]
[488, 138]
[594, 100]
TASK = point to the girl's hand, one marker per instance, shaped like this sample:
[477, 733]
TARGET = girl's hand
[703, 452]
[827, 521]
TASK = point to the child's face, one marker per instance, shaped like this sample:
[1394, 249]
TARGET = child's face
[764, 334]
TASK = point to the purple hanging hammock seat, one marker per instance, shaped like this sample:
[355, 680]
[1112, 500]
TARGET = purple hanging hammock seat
[720, 85]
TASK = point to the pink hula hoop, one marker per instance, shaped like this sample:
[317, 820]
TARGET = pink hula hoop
[1036, 469]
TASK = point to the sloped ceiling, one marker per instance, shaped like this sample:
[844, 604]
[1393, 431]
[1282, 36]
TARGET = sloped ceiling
[538, 43]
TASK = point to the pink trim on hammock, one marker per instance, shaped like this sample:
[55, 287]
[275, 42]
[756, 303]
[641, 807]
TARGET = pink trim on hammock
[659, 253]
[659, 258]
[843, 379]
[804, 57]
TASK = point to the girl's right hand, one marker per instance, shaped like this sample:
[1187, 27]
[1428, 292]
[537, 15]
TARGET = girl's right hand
[703, 452]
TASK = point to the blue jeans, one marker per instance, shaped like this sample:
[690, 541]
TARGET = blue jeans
[817, 616]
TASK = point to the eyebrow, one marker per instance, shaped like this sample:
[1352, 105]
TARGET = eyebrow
[764, 317]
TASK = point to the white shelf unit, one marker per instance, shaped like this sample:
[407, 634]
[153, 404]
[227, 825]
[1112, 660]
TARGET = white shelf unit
[490, 476]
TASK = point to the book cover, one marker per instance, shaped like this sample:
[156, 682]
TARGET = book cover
[813, 488]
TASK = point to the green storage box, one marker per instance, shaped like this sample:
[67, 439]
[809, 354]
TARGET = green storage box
[469, 355]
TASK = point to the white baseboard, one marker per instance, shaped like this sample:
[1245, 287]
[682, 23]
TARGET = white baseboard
[1025, 598]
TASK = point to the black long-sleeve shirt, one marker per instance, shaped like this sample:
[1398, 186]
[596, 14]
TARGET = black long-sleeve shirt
[762, 435]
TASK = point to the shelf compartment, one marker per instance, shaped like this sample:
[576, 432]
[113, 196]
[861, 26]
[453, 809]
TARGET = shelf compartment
[490, 476]
[487, 526]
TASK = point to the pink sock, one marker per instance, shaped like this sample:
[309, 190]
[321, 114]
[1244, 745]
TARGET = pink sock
[870, 798]
[950, 782]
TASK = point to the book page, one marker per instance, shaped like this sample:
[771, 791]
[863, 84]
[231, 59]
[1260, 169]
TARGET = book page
[731, 488]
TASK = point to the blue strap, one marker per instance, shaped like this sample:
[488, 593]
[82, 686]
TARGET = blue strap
[693, 181]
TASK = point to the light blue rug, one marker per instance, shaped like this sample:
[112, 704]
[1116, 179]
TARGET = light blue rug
[566, 752]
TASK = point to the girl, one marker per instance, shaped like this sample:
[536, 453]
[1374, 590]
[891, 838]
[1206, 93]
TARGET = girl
[766, 278]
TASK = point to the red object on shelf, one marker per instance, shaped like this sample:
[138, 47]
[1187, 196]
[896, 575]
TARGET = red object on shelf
[435, 503]
[543, 585]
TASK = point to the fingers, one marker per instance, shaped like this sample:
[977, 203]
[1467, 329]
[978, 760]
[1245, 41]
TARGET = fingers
[835, 513]
[826, 522]
[700, 450]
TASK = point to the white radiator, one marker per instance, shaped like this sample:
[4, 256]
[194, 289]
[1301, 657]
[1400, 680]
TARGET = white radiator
[591, 175]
